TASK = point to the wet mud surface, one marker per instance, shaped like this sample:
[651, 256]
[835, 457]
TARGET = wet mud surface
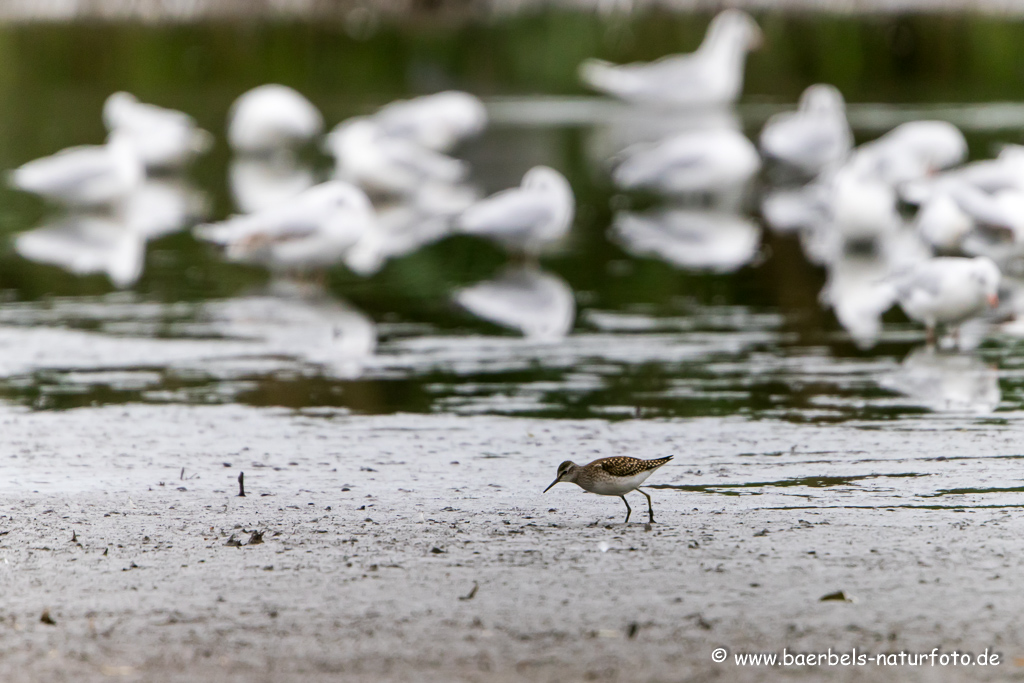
[416, 547]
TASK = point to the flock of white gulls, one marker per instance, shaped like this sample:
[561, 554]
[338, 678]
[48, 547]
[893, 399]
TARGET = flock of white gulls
[899, 219]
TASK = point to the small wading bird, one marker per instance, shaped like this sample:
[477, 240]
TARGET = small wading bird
[614, 476]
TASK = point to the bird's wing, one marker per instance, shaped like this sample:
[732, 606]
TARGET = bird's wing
[803, 138]
[424, 162]
[923, 281]
[63, 171]
[623, 466]
[510, 213]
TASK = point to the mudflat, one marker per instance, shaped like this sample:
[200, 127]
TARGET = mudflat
[420, 548]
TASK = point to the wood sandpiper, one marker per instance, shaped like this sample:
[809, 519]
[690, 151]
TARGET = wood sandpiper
[615, 476]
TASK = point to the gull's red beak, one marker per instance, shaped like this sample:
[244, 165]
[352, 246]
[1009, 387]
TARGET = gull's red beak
[993, 300]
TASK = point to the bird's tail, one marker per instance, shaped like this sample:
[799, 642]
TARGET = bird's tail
[658, 462]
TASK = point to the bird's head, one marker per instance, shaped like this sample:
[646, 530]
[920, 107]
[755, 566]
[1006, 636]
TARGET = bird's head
[987, 274]
[738, 26]
[566, 472]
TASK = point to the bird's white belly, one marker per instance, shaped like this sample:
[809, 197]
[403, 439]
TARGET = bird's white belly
[618, 485]
[950, 305]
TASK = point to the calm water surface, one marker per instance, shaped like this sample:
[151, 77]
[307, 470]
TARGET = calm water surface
[651, 337]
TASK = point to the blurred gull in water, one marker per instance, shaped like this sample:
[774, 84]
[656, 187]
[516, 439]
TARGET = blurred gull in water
[706, 161]
[947, 290]
[259, 182]
[713, 75]
[698, 240]
[405, 226]
[367, 156]
[438, 122]
[539, 305]
[163, 138]
[85, 175]
[271, 117]
[942, 223]
[84, 244]
[814, 137]
[1004, 172]
[947, 382]
[910, 152]
[316, 229]
[527, 218]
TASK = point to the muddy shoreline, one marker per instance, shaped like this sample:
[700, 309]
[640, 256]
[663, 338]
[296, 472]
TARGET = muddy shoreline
[420, 547]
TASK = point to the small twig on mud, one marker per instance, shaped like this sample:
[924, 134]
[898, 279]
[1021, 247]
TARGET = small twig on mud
[241, 485]
[471, 594]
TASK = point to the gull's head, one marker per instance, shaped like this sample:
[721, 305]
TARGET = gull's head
[986, 274]
[118, 108]
[934, 144]
[738, 26]
[351, 137]
[545, 179]
[566, 472]
[822, 98]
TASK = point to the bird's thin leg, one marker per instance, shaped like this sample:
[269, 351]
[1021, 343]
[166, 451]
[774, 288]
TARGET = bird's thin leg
[629, 510]
[930, 335]
[650, 506]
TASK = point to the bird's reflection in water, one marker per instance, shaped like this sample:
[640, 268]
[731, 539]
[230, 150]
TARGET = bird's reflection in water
[859, 294]
[947, 382]
[259, 182]
[539, 305]
[162, 205]
[85, 244]
[299, 320]
[697, 240]
[111, 240]
[626, 126]
[402, 227]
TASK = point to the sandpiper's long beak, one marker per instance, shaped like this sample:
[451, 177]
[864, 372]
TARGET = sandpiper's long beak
[552, 484]
[993, 300]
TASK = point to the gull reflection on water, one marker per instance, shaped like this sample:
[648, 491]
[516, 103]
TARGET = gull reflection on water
[259, 182]
[112, 240]
[161, 206]
[858, 293]
[692, 239]
[85, 244]
[625, 126]
[300, 320]
[947, 382]
[538, 304]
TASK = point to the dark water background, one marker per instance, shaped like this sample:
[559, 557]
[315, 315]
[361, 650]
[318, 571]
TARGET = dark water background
[650, 339]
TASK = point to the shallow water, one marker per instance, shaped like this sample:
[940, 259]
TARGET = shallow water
[652, 336]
